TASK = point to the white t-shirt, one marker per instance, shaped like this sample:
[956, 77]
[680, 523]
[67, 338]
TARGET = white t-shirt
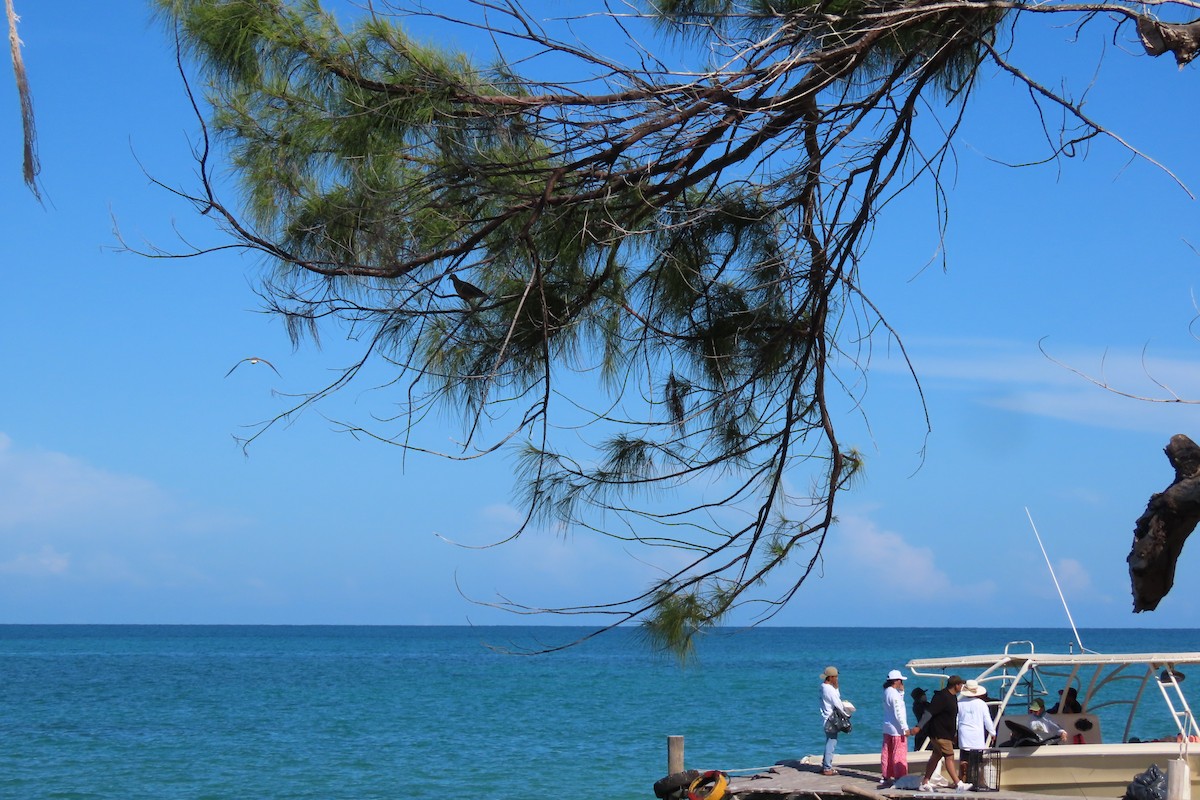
[975, 723]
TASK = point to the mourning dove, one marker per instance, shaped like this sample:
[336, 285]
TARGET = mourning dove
[467, 291]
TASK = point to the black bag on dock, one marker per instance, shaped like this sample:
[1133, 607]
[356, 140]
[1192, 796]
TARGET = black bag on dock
[837, 722]
[675, 786]
[1148, 785]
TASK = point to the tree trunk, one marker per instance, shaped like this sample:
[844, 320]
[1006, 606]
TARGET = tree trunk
[1181, 38]
[1162, 529]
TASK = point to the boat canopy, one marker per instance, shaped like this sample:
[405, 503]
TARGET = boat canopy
[1116, 681]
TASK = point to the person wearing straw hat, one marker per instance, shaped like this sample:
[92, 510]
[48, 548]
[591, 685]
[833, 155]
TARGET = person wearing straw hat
[976, 728]
[831, 698]
[893, 758]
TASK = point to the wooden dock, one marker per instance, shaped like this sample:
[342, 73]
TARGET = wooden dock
[792, 780]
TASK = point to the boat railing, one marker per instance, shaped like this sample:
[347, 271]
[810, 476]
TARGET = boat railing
[1008, 650]
[1181, 712]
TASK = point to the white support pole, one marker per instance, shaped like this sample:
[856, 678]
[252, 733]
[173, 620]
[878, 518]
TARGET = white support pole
[1179, 780]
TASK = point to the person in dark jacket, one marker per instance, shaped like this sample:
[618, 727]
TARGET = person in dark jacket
[940, 723]
[1068, 703]
[920, 703]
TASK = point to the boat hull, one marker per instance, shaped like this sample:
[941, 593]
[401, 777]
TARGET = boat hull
[1088, 770]
[1084, 770]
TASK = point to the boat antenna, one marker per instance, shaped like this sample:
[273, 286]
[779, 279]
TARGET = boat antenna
[1054, 578]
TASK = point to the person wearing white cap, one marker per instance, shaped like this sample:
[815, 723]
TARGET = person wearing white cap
[975, 724]
[894, 757]
[831, 698]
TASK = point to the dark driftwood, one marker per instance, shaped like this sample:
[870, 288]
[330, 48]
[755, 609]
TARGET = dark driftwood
[1182, 39]
[1161, 530]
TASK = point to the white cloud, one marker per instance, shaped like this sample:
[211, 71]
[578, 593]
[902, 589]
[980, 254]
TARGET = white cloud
[111, 568]
[876, 576]
[41, 488]
[885, 559]
[1086, 385]
[881, 563]
[1072, 576]
[504, 514]
[1081, 495]
[61, 517]
[46, 561]
[547, 567]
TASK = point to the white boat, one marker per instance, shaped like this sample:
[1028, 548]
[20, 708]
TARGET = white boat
[1134, 714]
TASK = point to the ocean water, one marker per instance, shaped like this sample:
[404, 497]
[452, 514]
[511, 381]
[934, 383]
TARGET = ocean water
[253, 712]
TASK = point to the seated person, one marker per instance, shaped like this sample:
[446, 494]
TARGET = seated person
[1043, 725]
[1068, 703]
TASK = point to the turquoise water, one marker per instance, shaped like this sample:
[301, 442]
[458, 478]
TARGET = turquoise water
[433, 712]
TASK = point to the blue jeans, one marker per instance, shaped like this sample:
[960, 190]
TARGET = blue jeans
[830, 747]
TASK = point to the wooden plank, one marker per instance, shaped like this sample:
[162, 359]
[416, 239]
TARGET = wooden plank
[795, 780]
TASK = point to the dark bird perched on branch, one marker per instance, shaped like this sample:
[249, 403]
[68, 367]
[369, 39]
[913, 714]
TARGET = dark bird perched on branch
[252, 360]
[468, 291]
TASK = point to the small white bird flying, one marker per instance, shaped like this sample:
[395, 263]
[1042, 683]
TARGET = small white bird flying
[252, 360]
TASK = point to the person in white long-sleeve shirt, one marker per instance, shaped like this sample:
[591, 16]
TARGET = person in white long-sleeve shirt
[831, 698]
[893, 758]
[975, 724]
[1043, 725]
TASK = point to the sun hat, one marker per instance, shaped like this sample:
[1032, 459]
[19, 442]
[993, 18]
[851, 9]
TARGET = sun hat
[973, 688]
[917, 692]
[830, 672]
[895, 675]
[1037, 703]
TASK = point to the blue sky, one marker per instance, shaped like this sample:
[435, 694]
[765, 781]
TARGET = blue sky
[124, 497]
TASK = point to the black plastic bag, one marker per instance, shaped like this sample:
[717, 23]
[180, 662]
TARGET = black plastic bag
[1148, 785]
[837, 722]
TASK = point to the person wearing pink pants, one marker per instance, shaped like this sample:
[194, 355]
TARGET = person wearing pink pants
[894, 756]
